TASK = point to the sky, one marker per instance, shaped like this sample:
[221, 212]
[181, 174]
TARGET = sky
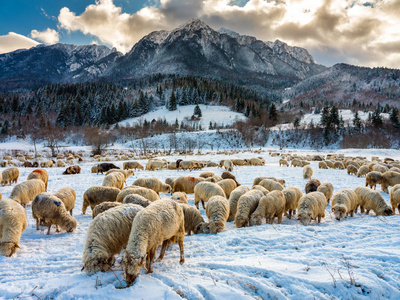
[365, 33]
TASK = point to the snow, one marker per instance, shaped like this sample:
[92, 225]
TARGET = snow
[222, 115]
[268, 261]
[346, 114]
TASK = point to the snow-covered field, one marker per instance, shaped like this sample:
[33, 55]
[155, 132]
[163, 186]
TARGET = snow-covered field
[222, 115]
[261, 262]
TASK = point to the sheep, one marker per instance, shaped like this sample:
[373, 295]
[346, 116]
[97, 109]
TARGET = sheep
[154, 165]
[256, 162]
[60, 163]
[114, 180]
[379, 168]
[68, 196]
[49, 209]
[221, 163]
[352, 170]
[271, 185]
[142, 191]
[39, 174]
[329, 163]
[322, 165]
[326, 188]
[227, 175]
[132, 165]
[187, 165]
[258, 179]
[180, 197]
[311, 206]
[217, 211]
[160, 222]
[283, 162]
[107, 234]
[338, 165]
[10, 176]
[94, 169]
[47, 164]
[103, 207]
[72, 170]
[12, 225]
[170, 181]
[296, 163]
[186, 183]
[246, 205]
[234, 198]
[228, 165]
[228, 185]
[212, 164]
[98, 194]
[239, 162]
[260, 188]
[25, 191]
[307, 172]
[269, 206]
[395, 169]
[372, 200]
[154, 184]
[104, 167]
[126, 173]
[194, 222]
[312, 185]
[136, 199]
[395, 198]
[292, 196]
[362, 171]
[205, 190]
[345, 202]
[372, 179]
[206, 174]
[214, 179]
[389, 178]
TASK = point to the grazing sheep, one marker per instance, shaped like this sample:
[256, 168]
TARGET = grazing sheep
[104, 167]
[39, 174]
[217, 211]
[94, 169]
[228, 185]
[271, 185]
[12, 225]
[329, 163]
[227, 175]
[246, 205]
[345, 202]
[154, 184]
[136, 199]
[234, 198]
[206, 174]
[239, 162]
[107, 234]
[153, 165]
[372, 200]
[379, 168]
[49, 209]
[362, 171]
[187, 165]
[296, 163]
[170, 181]
[256, 162]
[10, 176]
[283, 162]
[99, 194]
[395, 198]
[68, 196]
[372, 179]
[389, 178]
[258, 179]
[307, 172]
[114, 180]
[203, 191]
[352, 170]
[186, 183]
[142, 191]
[25, 191]
[132, 165]
[72, 170]
[194, 222]
[228, 165]
[270, 206]
[160, 222]
[322, 165]
[311, 206]
[338, 165]
[292, 196]
[60, 163]
[394, 169]
[180, 197]
[103, 207]
[260, 188]
[312, 185]
[326, 188]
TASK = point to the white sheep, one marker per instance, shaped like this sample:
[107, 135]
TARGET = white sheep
[307, 172]
[132, 165]
[260, 188]
[311, 206]
[283, 162]
[126, 173]
[12, 225]
[142, 191]
[362, 171]
[372, 200]
[234, 198]
[351, 169]
[269, 206]
[50, 210]
[68, 196]
[102, 207]
[136, 199]
[395, 198]
[228, 185]
[372, 179]
[246, 205]
[107, 234]
[217, 211]
[194, 222]
[389, 178]
[39, 174]
[10, 176]
[205, 190]
[326, 188]
[228, 165]
[98, 194]
[114, 179]
[271, 185]
[154, 184]
[345, 202]
[159, 223]
[25, 191]
[180, 197]
[292, 196]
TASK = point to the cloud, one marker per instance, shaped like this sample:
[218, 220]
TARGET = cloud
[49, 36]
[352, 31]
[14, 41]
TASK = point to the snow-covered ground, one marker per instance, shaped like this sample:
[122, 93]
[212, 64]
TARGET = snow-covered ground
[261, 262]
[222, 115]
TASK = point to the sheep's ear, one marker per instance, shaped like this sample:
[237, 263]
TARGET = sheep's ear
[82, 268]
[17, 246]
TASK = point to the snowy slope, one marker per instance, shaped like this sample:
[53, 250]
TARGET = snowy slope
[346, 114]
[222, 115]
[261, 262]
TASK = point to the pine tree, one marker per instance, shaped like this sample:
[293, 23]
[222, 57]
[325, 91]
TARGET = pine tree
[197, 111]
[394, 117]
[176, 123]
[357, 121]
[273, 113]
[78, 114]
[376, 118]
[210, 126]
[296, 122]
[172, 104]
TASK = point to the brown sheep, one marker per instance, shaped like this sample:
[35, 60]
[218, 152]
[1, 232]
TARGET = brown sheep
[326, 188]
[72, 170]
[372, 179]
[372, 200]
[228, 185]
[312, 185]
[186, 183]
[99, 194]
[10, 176]
[395, 198]
[389, 178]
[145, 192]
[270, 206]
[292, 196]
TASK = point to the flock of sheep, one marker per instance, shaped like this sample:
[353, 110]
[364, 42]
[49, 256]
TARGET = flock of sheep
[136, 219]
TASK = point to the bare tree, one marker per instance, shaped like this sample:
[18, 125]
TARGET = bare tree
[98, 139]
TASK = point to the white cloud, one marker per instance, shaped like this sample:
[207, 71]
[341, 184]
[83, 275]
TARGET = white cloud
[14, 41]
[351, 31]
[49, 36]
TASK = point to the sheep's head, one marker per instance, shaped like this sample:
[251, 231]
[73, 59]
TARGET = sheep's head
[256, 219]
[340, 212]
[98, 263]
[4, 182]
[217, 227]
[387, 212]
[132, 266]
[168, 189]
[8, 248]
[304, 218]
[70, 225]
[202, 227]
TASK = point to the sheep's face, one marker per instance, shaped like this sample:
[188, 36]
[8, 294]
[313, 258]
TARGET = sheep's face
[340, 212]
[256, 220]
[132, 266]
[98, 264]
[202, 227]
[387, 212]
[4, 182]
[71, 226]
[217, 227]
[305, 218]
[8, 249]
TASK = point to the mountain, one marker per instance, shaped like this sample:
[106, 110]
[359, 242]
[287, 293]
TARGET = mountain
[54, 64]
[196, 49]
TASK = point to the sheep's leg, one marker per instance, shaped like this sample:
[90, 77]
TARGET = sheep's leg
[361, 209]
[202, 202]
[37, 223]
[70, 212]
[367, 212]
[318, 219]
[289, 215]
[163, 249]
[181, 250]
[279, 218]
[152, 254]
[398, 208]
[352, 213]
[48, 231]
[57, 228]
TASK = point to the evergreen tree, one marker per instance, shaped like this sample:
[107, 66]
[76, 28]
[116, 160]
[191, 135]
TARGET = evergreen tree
[376, 118]
[210, 126]
[176, 123]
[78, 114]
[325, 120]
[394, 117]
[357, 121]
[172, 104]
[296, 122]
[273, 113]
[197, 111]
